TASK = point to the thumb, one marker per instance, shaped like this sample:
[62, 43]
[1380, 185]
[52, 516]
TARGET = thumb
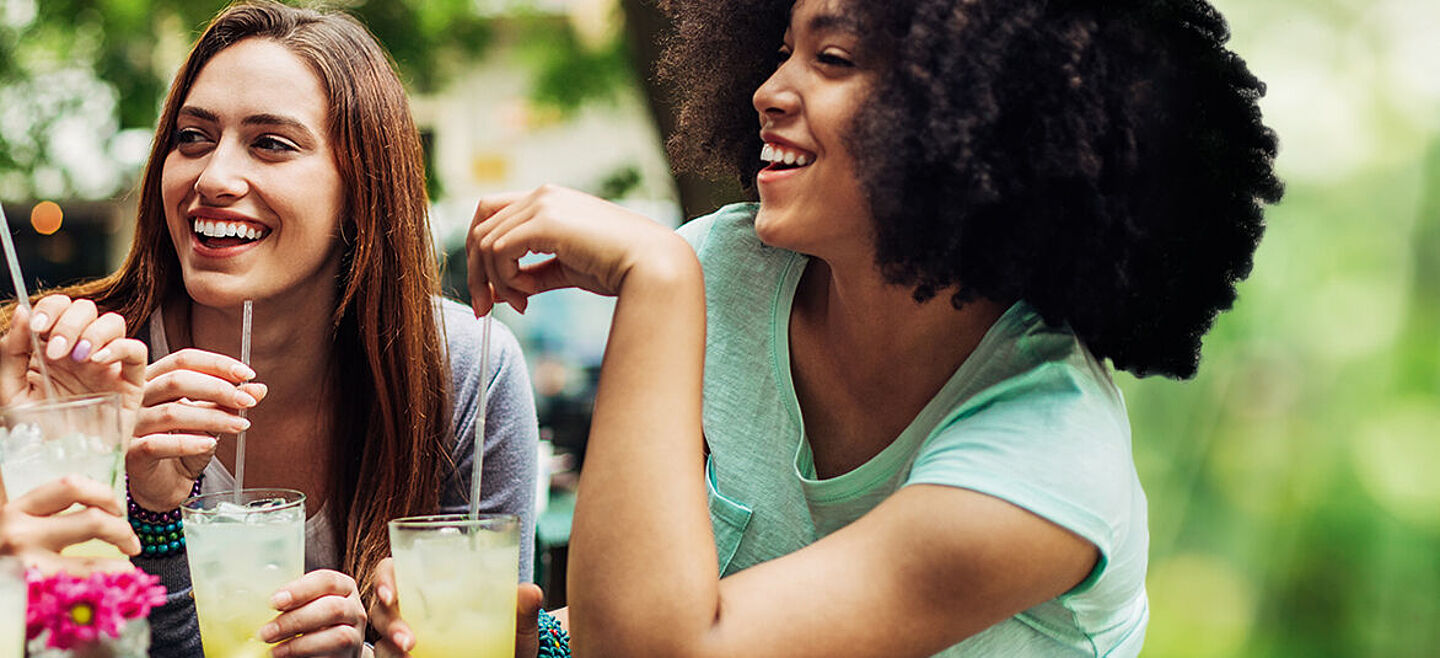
[528, 598]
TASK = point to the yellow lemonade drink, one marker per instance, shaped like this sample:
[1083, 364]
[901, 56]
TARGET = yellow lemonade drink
[44, 441]
[456, 578]
[242, 548]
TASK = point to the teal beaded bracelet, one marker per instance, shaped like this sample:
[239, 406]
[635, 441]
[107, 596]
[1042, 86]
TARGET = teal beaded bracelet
[554, 641]
[161, 533]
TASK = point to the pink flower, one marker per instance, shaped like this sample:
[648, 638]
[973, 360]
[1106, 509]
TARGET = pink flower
[78, 610]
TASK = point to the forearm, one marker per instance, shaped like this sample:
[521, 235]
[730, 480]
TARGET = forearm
[643, 578]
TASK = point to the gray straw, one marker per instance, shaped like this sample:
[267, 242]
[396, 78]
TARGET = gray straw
[240, 438]
[480, 417]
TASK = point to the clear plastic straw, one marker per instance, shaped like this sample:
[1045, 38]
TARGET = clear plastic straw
[240, 438]
[479, 461]
[22, 299]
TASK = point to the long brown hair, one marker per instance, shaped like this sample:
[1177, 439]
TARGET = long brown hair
[390, 375]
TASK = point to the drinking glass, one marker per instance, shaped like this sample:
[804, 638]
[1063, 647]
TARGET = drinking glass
[456, 577]
[13, 598]
[243, 546]
[80, 435]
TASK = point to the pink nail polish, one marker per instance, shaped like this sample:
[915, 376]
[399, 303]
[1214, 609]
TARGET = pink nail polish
[82, 350]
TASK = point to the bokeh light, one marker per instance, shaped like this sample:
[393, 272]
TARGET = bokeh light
[46, 217]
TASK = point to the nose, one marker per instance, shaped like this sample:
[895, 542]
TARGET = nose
[777, 96]
[223, 177]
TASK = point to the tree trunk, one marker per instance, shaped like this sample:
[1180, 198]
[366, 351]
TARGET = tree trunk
[645, 26]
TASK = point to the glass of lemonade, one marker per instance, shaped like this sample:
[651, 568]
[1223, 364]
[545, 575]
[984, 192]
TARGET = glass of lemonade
[81, 435]
[242, 547]
[457, 578]
[13, 598]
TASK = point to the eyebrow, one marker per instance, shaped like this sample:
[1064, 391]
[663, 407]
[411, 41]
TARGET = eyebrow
[262, 119]
[834, 23]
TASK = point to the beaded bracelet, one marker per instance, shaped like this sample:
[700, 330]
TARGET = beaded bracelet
[554, 641]
[160, 533]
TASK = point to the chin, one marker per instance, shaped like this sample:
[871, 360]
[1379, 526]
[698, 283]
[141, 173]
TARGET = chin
[214, 291]
[770, 226]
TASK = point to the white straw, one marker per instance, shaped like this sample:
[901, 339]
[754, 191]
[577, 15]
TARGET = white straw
[22, 299]
[475, 467]
[240, 438]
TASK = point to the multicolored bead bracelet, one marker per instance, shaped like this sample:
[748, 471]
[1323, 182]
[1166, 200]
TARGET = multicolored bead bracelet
[554, 641]
[161, 533]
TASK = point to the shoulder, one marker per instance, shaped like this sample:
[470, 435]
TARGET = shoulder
[1048, 433]
[736, 219]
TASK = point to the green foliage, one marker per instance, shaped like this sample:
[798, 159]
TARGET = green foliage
[127, 50]
[568, 73]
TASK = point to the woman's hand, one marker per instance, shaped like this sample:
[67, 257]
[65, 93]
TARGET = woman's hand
[190, 396]
[84, 352]
[320, 615]
[33, 528]
[595, 245]
[396, 638]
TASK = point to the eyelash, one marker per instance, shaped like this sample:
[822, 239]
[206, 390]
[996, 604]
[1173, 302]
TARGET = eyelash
[187, 136]
[269, 143]
[826, 58]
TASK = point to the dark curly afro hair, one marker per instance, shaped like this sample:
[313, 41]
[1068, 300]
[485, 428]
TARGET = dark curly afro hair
[1104, 160]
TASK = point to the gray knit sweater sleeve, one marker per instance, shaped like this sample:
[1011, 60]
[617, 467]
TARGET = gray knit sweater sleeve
[507, 481]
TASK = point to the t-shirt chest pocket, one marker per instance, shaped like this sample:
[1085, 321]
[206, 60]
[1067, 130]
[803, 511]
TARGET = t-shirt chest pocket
[728, 518]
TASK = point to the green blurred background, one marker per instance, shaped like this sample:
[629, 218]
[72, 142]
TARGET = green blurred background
[1294, 485]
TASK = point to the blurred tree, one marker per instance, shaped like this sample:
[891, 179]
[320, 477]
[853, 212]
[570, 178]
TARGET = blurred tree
[91, 70]
[647, 27]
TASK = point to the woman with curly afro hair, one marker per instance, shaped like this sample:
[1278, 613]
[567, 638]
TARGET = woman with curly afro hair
[909, 442]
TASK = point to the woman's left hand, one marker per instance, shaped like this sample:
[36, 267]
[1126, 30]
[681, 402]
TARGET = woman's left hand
[320, 615]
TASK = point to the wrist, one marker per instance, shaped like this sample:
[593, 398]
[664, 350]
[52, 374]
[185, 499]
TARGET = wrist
[669, 265]
[161, 533]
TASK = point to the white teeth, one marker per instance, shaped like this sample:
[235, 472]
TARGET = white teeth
[777, 154]
[218, 229]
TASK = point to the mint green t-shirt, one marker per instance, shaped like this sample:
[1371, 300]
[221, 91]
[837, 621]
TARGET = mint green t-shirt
[1031, 417]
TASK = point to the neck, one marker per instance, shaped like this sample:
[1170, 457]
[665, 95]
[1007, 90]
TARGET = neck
[290, 345]
[880, 327]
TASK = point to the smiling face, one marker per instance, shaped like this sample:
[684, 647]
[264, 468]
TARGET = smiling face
[251, 192]
[810, 198]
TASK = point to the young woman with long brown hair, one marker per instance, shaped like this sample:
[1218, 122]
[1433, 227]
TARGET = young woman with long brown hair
[286, 169]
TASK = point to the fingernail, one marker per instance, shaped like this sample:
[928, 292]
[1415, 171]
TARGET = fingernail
[57, 348]
[402, 640]
[269, 633]
[242, 424]
[38, 322]
[386, 596]
[82, 350]
[101, 356]
[244, 400]
[282, 598]
[242, 371]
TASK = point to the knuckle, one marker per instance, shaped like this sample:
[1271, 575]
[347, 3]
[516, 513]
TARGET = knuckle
[335, 607]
